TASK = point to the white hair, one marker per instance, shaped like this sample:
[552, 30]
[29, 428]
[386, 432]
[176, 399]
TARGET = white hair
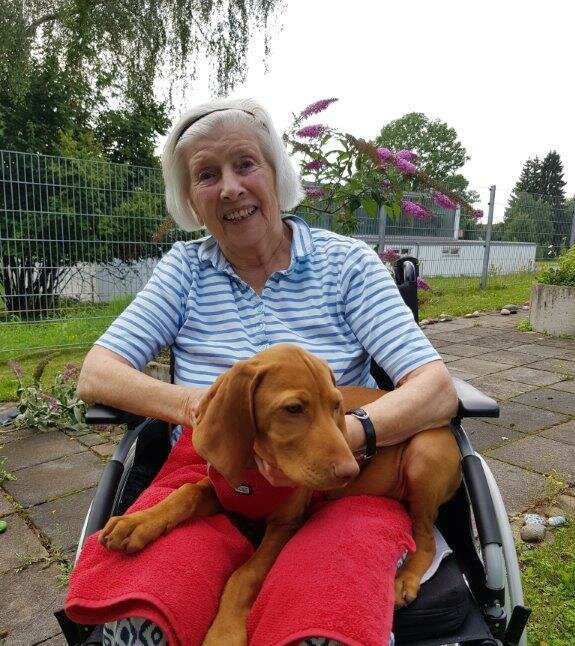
[201, 121]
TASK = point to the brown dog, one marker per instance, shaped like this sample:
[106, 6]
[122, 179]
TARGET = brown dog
[283, 406]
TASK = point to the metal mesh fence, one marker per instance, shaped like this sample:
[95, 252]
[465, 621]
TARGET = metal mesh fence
[76, 243]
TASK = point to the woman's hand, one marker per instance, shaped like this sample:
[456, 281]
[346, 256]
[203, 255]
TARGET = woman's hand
[276, 477]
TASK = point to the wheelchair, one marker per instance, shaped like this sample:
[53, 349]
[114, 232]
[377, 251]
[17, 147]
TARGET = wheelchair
[475, 597]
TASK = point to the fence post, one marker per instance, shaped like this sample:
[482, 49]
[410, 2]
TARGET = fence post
[456, 221]
[382, 226]
[572, 236]
[487, 245]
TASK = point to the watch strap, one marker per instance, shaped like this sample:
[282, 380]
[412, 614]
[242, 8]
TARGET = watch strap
[369, 430]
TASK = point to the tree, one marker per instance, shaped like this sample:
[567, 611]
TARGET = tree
[122, 48]
[529, 219]
[530, 179]
[551, 183]
[441, 155]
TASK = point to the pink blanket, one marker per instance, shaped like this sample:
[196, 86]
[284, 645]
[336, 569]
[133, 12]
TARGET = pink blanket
[334, 578]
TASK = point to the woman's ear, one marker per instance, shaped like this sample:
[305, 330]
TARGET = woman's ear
[225, 424]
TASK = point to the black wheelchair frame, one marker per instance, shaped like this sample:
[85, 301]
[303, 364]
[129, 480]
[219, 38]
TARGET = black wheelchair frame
[474, 599]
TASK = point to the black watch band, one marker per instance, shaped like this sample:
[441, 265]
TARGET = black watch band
[370, 439]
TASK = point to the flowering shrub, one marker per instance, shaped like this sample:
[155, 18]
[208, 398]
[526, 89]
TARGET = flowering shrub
[562, 275]
[61, 408]
[343, 173]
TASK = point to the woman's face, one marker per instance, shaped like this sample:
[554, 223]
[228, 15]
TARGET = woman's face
[232, 187]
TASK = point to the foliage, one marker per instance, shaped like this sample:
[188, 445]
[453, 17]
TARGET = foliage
[124, 48]
[529, 219]
[548, 577]
[83, 205]
[440, 153]
[60, 408]
[343, 173]
[562, 275]
[4, 473]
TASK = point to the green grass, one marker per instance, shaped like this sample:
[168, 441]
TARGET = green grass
[462, 295]
[69, 337]
[548, 575]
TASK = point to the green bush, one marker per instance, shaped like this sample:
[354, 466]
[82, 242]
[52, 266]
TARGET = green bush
[562, 275]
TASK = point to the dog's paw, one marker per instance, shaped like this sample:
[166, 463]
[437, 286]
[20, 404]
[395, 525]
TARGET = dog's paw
[407, 587]
[130, 533]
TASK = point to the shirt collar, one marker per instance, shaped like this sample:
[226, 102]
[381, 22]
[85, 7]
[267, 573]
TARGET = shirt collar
[301, 246]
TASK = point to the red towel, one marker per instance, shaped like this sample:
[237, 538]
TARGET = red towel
[337, 572]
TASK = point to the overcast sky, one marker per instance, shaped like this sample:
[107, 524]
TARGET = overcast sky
[501, 73]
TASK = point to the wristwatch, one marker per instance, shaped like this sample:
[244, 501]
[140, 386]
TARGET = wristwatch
[370, 439]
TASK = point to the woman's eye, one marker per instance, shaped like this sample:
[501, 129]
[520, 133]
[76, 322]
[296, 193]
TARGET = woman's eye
[294, 409]
[246, 164]
[205, 175]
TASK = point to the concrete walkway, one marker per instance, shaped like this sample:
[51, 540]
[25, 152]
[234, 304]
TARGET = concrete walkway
[530, 374]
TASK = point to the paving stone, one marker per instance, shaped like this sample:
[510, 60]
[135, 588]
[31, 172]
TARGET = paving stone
[497, 387]
[507, 357]
[540, 454]
[41, 447]
[565, 353]
[562, 433]
[18, 541]
[105, 450]
[54, 479]
[567, 386]
[457, 336]
[61, 520]
[58, 640]
[519, 488]
[448, 357]
[562, 366]
[11, 433]
[92, 439]
[485, 436]
[437, 344]
[476, 366]
[464, 350]
[536, 350]
[550, 400]
[526, 375]
[460, 374]
[526, 419]
[6, 507]
[558, 343]
[494, 343]
[27, 601]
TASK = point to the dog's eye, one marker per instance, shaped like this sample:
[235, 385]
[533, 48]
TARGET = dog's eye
[337, 406]
[294, 409]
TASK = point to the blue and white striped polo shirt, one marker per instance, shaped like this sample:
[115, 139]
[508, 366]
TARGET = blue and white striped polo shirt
[336, 300]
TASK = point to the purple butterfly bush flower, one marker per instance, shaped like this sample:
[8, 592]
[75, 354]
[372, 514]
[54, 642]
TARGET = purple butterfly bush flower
[421, 284]
[314, 192]
[53, 402]
[385, 155]
[404, 166]
[315, 164]
[385, 184]
[408, 155]
[16, 369]
[311, 132]
[443, 201]
[414, 210]
[478, 214]
[389, 255]
[318, 106]
[70, 371]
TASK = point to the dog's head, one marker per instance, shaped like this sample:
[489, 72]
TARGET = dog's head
[284, 406]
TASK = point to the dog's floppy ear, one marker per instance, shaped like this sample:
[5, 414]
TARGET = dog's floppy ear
[225, 426]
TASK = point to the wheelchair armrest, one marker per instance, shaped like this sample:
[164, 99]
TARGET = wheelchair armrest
[472, 402]
[101, 414]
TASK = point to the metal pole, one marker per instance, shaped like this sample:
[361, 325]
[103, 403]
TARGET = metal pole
[572, 236]
[382, 226]
[487, 246]
[456, 221]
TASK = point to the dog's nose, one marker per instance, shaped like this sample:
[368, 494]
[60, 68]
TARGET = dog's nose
[346, 470]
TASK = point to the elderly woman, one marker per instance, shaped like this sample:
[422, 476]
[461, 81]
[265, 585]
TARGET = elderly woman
[259, 278]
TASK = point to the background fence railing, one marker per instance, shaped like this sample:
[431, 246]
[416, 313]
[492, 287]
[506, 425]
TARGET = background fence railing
[78, 240]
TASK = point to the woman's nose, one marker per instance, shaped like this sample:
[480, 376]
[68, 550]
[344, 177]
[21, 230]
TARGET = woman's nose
[231, 186]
